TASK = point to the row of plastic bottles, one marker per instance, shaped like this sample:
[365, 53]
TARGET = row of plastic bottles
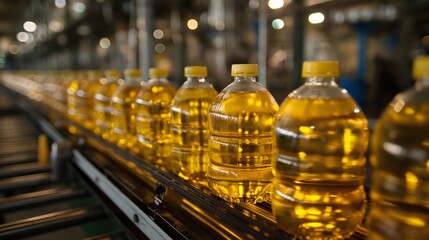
[306, 157]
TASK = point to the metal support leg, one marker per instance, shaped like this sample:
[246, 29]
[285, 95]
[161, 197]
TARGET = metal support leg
[60, 153]
[298, 43]
[262, 43]
[144, 26]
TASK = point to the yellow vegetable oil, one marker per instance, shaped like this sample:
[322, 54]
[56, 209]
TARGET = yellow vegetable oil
[80, 93]
[47, 90]
[322, 137]
[400, 161]
[189, 125]
[65, 78]
[94, 77]
[123, 110]
[72, 99]
[241, 143]
[57, 92]
[102, 99]
[153, 117]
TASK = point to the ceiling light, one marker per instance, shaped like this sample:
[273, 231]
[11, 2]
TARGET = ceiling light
[14, 49]
[276, 4]
[104, 43]
[158, 34]
[192, 24]
[159, 48]
[56, 26]
[278, 23]
[316, 18]
[60, 3]
[22, 36]
[79, 7]
[30, 26]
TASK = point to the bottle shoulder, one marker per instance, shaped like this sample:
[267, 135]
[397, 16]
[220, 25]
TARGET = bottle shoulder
[162, 92]
[410, 107]
[244, 86]
[308, 103]
[319, 92]
[236, 101]
[196, 83]
[187, 94]
[413, 95]
[107, 89]
[125, 90]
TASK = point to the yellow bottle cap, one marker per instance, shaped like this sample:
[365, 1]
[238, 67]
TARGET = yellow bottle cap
[158, 72]
[241, 70]
[196, 71]
[421, 67]
[320, 69]
[112, 73]
[95, 74]
[133, 73]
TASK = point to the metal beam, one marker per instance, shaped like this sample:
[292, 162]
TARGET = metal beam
[23, 169]
[144, 28]
[262, 43]
[34, 199]
[27, 181]
[297, 43]
[48, 222]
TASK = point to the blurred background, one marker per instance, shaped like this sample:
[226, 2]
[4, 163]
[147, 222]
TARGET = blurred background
[374, 40]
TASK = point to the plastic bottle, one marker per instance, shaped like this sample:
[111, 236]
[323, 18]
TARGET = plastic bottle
[400, 161]
[322, 137]
[241, 143]
[189, 125]
[153, 117]
[65, 78]
[94, 77]
[102, 100]
[60, 95]
[123, 110]
[79, 100]
[72, 99]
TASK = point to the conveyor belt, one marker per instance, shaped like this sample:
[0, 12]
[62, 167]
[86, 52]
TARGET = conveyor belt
[151, 203]
[33, 204]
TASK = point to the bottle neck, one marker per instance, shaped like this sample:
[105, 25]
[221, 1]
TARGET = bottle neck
[245, 79]
[321, 81]
[132, 81]
[196, 79]
[422, 82]
[158, 80]
[111, 79]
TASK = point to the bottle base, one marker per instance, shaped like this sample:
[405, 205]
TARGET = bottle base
[317, 211]
[240, 191]
[395, 221]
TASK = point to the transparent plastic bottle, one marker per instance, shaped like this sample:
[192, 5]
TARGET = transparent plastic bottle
[58, 93]
[153, 117]
[102, 98]
[65, 78]
[189, 125]
[241, 143]
[47, 90]
[322, 137]
[94, 77]
[400, 161]
[80, 93]
[72, 99]
[123, 110]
